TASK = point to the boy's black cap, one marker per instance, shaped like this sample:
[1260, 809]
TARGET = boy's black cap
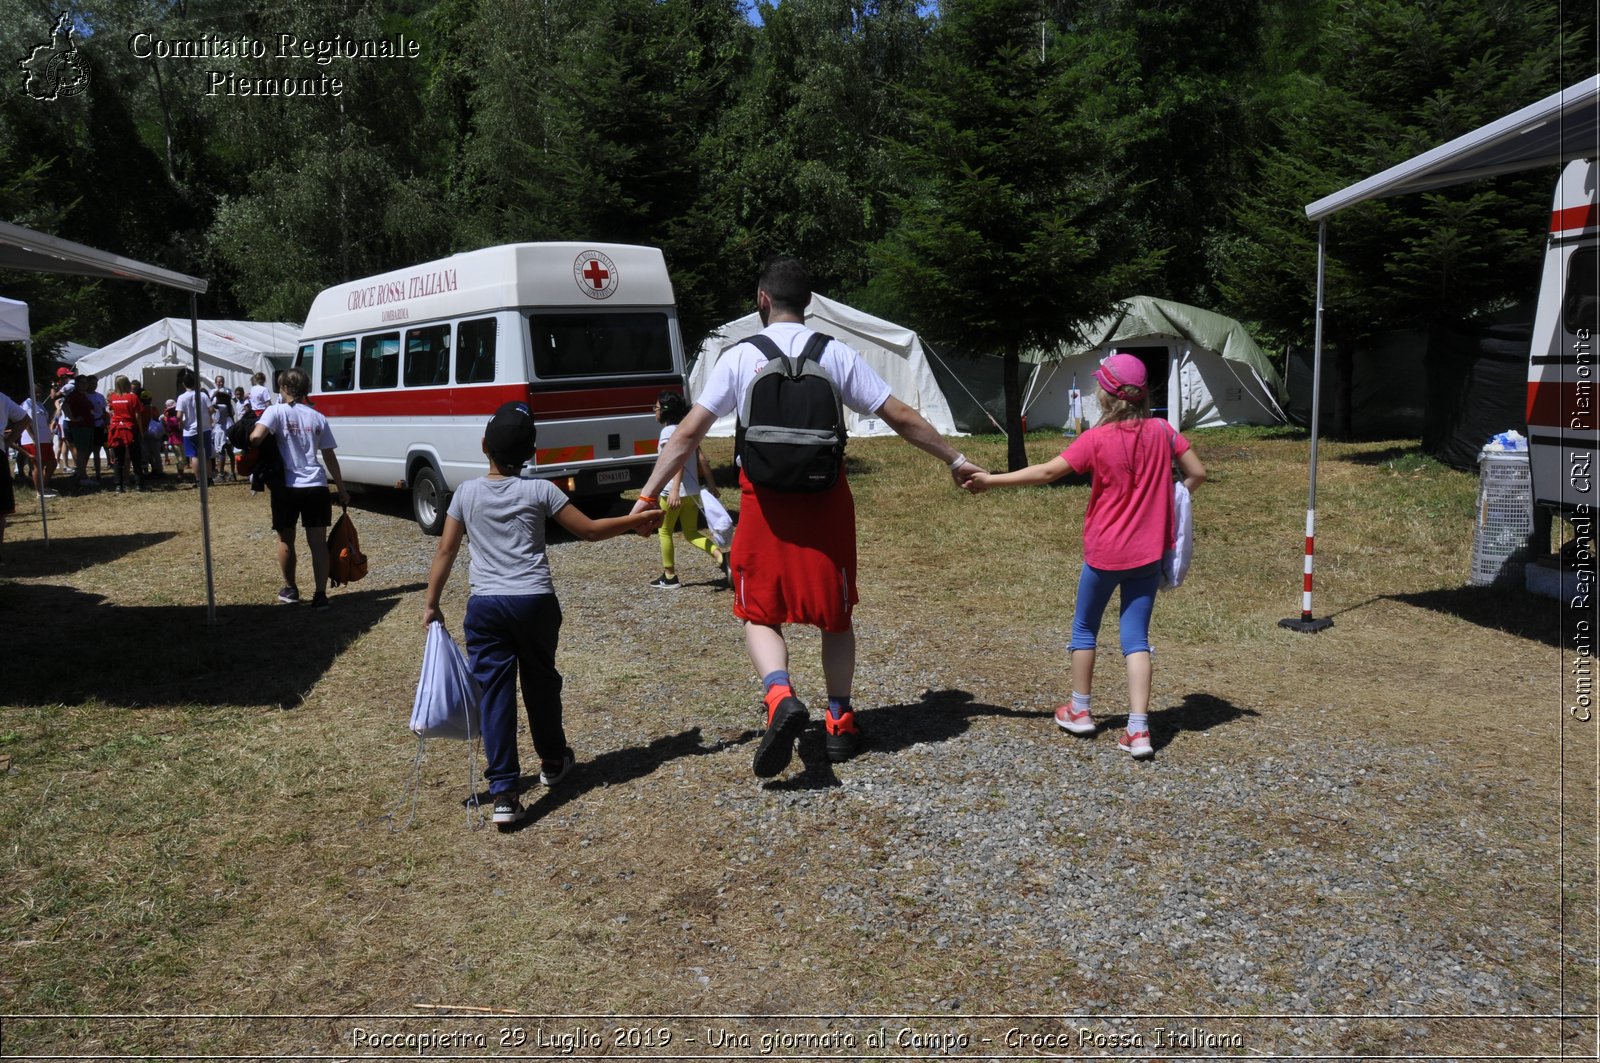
[511, 432]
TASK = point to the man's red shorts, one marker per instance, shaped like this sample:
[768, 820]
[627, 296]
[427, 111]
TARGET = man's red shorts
[793, 558]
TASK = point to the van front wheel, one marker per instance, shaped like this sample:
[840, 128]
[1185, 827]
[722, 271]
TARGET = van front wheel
[429, 500]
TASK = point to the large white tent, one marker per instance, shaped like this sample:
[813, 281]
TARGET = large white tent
[1212, 371]
[233, 349]
[895, 352]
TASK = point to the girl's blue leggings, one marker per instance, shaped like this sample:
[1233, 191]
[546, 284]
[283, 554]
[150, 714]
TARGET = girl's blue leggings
[1138, 599]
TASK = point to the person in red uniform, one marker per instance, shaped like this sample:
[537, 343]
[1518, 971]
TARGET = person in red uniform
[125, 432]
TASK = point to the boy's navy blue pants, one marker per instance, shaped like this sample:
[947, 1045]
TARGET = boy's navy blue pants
[507, 635]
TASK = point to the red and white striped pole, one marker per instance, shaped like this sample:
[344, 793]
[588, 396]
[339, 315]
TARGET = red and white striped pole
[1307, 622]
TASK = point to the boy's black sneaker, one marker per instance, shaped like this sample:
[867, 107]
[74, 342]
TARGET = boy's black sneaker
[319, 600]
[664, 582]
[784, 724]
[553, 771]
[289, 596]
[507, 809]
[843, 737]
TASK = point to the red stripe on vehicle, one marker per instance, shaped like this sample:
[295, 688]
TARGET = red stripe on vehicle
[1565, 406]
[483, 399]
[642, 447]
[1585, 216]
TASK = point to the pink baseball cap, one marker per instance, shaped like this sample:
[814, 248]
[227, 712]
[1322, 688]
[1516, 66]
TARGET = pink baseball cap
[1122, 376]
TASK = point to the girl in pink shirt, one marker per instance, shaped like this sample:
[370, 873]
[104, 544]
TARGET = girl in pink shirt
[1126, 529]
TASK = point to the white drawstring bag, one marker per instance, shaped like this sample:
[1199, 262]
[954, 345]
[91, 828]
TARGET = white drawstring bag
[446, 706]
[718, 522]
[1175, 562]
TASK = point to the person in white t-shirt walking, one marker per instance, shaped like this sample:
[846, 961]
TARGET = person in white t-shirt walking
[794, 556]
[301, 434]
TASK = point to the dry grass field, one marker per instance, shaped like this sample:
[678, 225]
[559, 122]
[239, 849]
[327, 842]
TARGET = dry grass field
[213, 840]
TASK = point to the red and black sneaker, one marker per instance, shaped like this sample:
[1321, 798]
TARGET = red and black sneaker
[843, 736]
[786, 719]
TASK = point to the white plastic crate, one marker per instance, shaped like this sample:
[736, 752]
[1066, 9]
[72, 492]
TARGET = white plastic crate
[1505, 519]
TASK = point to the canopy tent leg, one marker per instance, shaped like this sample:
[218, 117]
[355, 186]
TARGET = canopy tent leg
[202, 462]
[1306, 622]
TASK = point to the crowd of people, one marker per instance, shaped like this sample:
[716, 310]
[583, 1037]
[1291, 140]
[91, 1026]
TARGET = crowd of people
[123, 438]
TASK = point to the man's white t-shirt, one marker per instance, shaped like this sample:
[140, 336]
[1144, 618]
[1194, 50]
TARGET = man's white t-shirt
[192, 417]
[860, 387]
[301, 433]
[9, 412]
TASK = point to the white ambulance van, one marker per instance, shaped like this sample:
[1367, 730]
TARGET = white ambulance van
[1563, 441]
[410, 365]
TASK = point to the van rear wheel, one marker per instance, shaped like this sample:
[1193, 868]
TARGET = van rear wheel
[429, 500]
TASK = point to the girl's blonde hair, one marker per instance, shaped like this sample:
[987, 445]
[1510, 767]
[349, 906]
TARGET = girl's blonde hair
[122, 383]
[1114, 409]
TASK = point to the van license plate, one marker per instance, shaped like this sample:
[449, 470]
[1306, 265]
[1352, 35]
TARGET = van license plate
[612, 476]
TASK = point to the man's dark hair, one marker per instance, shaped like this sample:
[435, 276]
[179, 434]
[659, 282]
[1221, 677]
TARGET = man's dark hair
[295, 381]
[787, 283]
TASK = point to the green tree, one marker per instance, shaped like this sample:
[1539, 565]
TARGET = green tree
[1016, 225]
[802, 163]
[1387, 80]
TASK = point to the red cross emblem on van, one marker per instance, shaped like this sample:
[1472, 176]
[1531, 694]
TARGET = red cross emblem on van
[596, 274]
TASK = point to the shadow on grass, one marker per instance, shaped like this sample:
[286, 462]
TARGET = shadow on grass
[1386, 455]
[28, 560]
[610, 769]
[940, 716]
[1512, 611]
[1199, 712]
[259, 654]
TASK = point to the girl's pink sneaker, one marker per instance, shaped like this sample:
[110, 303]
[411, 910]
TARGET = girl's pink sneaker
[1137, 744]
[1070, 719]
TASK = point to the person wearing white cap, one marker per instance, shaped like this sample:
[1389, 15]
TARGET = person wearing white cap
[1127, 528]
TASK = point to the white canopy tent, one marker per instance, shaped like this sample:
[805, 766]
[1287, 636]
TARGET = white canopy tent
[1558, 129]
[895, 352]
[25, 249]
[232, 349]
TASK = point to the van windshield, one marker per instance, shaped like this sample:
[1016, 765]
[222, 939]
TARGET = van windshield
[605, 344]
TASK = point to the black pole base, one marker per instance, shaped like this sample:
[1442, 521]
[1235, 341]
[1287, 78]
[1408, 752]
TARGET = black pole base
[1307, 625]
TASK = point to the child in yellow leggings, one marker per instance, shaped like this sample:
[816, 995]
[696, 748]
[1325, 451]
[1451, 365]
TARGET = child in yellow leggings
[682, 502]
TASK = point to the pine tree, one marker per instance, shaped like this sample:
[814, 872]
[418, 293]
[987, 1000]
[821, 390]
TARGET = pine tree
[1015, 227]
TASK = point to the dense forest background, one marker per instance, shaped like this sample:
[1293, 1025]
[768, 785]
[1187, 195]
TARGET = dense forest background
[990, 172]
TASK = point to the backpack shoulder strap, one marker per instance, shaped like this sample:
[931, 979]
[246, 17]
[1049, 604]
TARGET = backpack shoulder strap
[814, 347]
[765, 346]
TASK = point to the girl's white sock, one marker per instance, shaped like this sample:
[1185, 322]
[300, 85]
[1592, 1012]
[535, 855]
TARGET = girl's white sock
[1080, 702]
[1138, 721]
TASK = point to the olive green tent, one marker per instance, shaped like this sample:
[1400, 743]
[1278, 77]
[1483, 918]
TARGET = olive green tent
[1204, 368]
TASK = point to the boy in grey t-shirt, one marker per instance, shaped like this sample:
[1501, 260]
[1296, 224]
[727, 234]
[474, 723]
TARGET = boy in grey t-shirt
[513, 620]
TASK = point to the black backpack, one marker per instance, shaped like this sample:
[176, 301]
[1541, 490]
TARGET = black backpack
[263, 464]
[791, 432]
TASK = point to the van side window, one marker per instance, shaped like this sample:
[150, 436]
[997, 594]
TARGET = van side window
[1581, 306]
[428, 356]
[338, 365]
[380, 361]
[303, 358]
[475, 351]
